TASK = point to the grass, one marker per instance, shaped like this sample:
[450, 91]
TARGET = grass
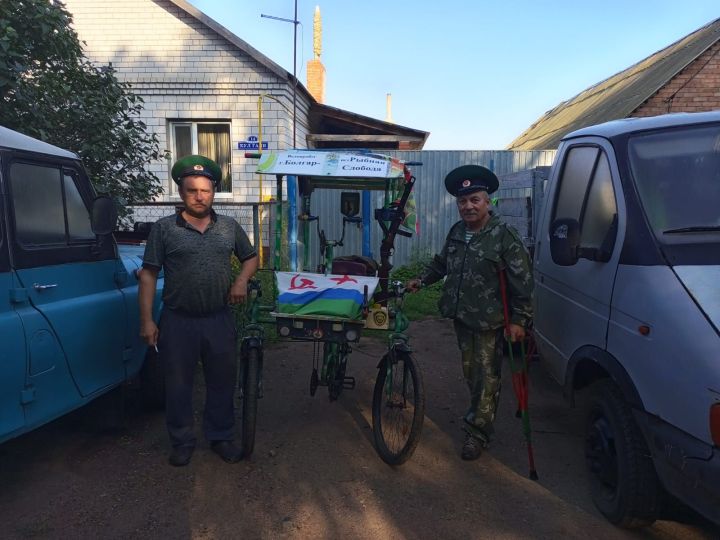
[423, 303]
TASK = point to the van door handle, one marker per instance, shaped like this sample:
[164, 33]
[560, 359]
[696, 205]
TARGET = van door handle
[39, 287]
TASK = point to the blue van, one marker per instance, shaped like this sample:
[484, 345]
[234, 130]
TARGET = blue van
[69, 320]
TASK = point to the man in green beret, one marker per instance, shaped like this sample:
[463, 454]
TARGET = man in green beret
[194, 249]
[476, 249]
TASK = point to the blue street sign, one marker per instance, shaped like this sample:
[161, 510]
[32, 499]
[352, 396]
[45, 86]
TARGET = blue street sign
[247, 145]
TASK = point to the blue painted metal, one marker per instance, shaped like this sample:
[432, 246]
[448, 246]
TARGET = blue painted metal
[292, 220]
[367, 224]
[70, 332]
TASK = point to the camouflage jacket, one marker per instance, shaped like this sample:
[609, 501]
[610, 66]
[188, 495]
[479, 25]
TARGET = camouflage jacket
[471, 293]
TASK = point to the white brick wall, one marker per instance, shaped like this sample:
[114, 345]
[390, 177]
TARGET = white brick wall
[186, 71]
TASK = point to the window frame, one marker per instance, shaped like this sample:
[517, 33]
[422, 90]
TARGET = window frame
[193, 124]
[589, 185]
[27, 256]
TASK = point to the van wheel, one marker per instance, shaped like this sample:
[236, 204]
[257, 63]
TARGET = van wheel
[624, 484]
[152, 381]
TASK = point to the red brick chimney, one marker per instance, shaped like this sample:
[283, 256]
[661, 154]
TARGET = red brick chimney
[315, 68]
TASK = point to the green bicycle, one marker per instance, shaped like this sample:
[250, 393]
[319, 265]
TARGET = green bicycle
[333, 315]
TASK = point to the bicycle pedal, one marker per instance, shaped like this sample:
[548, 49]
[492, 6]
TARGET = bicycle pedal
[349, 383]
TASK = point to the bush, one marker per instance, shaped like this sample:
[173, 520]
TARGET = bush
[423, 303]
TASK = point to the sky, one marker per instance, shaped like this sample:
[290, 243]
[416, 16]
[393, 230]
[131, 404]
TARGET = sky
[473, 73]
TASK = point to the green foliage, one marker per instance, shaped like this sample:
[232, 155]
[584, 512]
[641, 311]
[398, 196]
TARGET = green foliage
[266, 302]
[49, 90]
[423, 303]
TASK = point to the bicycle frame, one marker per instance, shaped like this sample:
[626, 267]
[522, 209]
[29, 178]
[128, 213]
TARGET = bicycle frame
[253, 333]
[299, 320]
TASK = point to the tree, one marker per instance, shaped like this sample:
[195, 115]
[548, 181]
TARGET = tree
[51, 91]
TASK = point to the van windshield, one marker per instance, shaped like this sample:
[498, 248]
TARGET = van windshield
[677, 174]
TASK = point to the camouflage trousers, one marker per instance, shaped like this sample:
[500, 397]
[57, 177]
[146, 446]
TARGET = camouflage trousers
[482, 353]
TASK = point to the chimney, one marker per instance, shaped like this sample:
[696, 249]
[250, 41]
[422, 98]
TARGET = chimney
[315, 68]
[388, 108]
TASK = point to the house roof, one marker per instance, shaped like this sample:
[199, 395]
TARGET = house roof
[619, 95]
[235, 40]
[336, 127]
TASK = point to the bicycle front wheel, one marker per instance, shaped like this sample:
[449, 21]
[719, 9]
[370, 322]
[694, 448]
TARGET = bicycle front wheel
[398, 407]
[250, 367]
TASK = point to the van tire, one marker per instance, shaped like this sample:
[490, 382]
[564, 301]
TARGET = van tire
[624, 484]
[152, 381]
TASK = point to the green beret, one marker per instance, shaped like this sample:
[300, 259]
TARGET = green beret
[196, 166]
[469, 178]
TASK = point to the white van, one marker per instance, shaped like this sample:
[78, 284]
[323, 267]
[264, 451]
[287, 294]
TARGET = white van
[627, 269]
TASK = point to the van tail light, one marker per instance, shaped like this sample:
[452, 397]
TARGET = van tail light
[715, 424]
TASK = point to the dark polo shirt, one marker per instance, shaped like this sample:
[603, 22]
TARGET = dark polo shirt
[198, 273]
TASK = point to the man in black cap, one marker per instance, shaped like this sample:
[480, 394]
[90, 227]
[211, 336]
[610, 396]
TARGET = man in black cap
[476, 249]
[194, 248]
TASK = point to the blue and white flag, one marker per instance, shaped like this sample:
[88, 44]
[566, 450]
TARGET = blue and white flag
[303, 293]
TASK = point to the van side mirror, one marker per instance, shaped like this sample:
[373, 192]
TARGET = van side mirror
[564, 241]
[104, 215]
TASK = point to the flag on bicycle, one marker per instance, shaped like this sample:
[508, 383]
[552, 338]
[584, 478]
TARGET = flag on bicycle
[325, 295]
[411, 222]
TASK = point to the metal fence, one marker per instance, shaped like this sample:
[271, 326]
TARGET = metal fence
[256, 218]
[521, 199]
[436, 208]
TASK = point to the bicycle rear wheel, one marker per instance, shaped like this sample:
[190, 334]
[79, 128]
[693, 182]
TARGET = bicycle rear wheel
[398, 407]
[250, 367]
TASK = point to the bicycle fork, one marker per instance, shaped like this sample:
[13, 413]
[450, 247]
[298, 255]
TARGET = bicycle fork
[393, 357]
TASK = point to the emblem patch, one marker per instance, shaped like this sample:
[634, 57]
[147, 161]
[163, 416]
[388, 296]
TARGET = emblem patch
[466, 183]
[379, 317]
[198, 168]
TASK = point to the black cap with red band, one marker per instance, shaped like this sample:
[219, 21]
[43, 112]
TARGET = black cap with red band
[470, 178]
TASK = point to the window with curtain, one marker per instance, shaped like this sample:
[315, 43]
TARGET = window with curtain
[210, 139]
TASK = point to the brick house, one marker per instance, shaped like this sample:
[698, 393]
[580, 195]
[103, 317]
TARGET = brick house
[683, 77]
[202, 86]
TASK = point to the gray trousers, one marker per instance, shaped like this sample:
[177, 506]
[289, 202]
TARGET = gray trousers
[184, 341]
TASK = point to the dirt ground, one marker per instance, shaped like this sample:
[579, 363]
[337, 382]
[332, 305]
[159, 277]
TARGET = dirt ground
[315, 473]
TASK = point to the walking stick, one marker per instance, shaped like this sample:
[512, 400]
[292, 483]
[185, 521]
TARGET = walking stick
[519, 376]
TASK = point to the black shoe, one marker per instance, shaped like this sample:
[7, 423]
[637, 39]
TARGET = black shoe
[180, 456]
[472, 448]
[227, 451]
